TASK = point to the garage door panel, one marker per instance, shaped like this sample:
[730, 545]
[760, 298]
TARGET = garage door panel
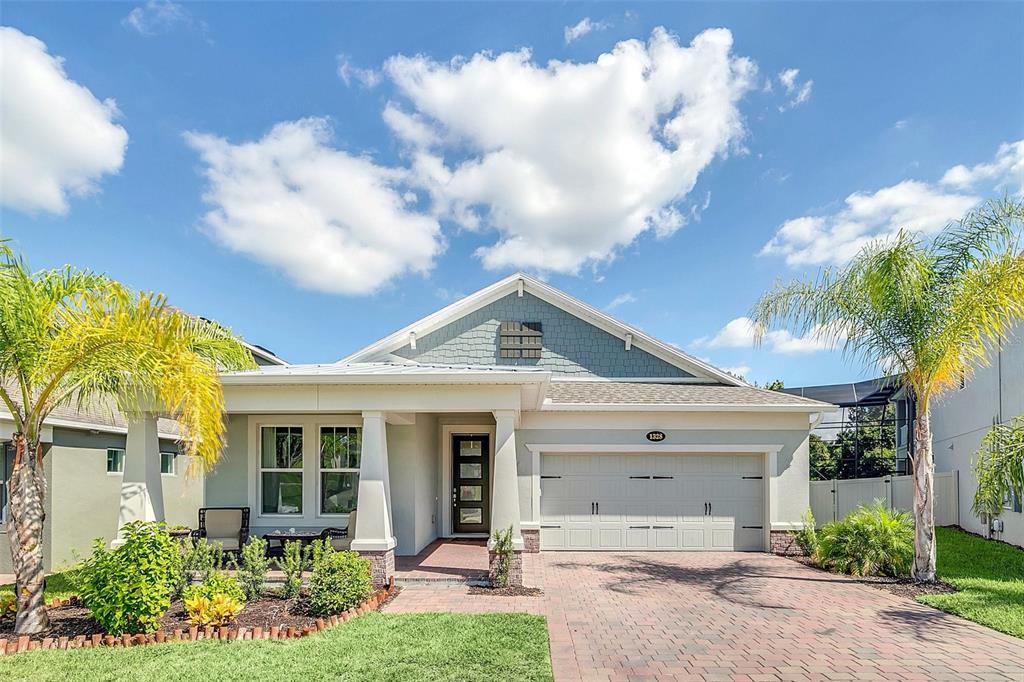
[637, 537]
[552, 538]
[636, 511]
[580, 538]
[610, 538]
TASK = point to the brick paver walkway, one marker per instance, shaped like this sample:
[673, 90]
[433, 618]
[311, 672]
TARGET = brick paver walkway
[726, 616]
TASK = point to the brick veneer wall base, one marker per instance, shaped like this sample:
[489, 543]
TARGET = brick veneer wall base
[382, 566]
[515, 569]
[784, 543]
[531, 540]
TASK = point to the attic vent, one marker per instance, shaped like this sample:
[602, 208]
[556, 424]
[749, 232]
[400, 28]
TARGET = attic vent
[520, 339]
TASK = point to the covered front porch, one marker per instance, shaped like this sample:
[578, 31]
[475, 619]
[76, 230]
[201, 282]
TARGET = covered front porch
[397, 464]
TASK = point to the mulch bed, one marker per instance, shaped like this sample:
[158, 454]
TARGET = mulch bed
[70, 619]
[511, 591]
[901, 587]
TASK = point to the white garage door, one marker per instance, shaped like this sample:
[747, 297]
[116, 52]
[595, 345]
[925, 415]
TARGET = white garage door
[651, 502]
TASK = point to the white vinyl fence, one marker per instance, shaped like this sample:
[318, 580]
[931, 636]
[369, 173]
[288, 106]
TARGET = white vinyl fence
[833, 500]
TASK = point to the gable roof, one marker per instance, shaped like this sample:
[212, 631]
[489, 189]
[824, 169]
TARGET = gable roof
[521, 282]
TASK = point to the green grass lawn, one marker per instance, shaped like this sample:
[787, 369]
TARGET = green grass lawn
[58, 586]
[375, 646]
[990, 579]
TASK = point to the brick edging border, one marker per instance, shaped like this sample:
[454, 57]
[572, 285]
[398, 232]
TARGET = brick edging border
[24, 643]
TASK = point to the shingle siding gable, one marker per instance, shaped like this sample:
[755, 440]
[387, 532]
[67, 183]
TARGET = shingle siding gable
[571, 345]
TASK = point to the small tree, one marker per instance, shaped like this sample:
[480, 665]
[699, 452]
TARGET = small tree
[999, 468]
[69, 337]
[925, 312]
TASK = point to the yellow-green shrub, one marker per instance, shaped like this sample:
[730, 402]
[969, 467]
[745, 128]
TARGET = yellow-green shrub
[220, 609]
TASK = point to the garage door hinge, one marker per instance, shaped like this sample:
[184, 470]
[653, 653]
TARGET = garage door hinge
[753, 478]
[646, 477]
[757, 527]
[662, 478]
[550, 476]
[550, 526]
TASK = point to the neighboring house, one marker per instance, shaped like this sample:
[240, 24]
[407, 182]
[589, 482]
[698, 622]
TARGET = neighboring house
[960, 420]
[85, 460]
[516, 407]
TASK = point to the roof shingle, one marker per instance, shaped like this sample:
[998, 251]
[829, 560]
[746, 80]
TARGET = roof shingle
[640, 393]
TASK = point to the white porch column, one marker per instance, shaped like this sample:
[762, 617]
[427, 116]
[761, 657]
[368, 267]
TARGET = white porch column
[505, 486]
[142, 492]
[374, 537]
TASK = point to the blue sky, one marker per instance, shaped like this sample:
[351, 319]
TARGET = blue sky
[318, 175]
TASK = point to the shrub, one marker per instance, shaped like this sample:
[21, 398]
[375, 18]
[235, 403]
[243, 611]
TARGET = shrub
[807, 537]
[339, 581]
[8, 605]
[128, 589]
[317, 551]
[292, 563]
[220, 609]
[871, 540]
[252, 571]
[199, 558]
[217, 583]
[503, 551]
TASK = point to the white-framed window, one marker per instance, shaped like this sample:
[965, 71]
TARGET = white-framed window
[338, 463]
[115, 460]
[167, 461]
[280, 470]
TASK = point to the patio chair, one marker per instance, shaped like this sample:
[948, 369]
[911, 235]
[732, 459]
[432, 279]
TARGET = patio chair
[228, 526]
[341, 538]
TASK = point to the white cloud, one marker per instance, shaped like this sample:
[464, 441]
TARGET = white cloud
[582, 28]
[740, 371]
[331, 221]
[738, 333]
[56, 137]
[1005, 172]
[620, 300]
[350, 73]
[917, 206]
[570, 162]
[742, 333]
[797, 92]
[836, 238]
[161, 16]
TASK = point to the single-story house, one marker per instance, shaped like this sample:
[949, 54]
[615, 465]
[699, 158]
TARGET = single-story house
[517, 407]
[89, 475]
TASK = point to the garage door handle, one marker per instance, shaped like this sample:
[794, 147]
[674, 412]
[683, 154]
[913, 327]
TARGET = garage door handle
[706, 510]
[756, 527]
[592, 508]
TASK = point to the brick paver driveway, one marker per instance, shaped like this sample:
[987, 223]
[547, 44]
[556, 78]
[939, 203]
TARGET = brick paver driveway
[726, 616]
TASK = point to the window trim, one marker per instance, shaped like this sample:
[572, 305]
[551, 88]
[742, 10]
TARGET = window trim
[118, 472]
[345, 470]
[310, 424]
[174, 463]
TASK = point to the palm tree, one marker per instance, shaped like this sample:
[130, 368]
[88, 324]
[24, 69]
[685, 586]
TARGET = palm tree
[69, 337]
[999, 468]
[928, 312]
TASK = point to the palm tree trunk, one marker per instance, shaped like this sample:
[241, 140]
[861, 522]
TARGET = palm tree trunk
[924, 499]
[27, 489]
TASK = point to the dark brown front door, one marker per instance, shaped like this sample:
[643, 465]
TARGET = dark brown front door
[471, 508]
